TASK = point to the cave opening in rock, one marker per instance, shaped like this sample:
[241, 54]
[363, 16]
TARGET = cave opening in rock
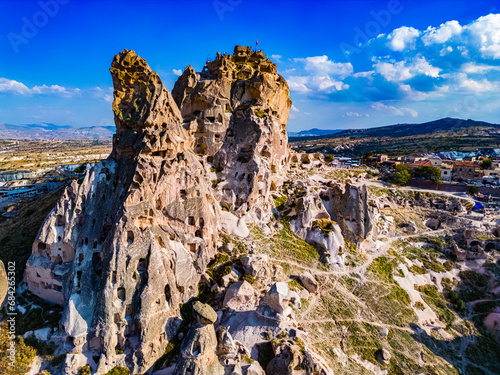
[120, 293]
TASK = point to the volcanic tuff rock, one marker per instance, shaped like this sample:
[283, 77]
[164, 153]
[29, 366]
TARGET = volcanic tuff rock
[198, 349]
[237, 109]
[348, 206]
[125, 246]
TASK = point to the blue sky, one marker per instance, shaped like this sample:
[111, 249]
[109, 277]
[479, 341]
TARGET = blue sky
[349, 64]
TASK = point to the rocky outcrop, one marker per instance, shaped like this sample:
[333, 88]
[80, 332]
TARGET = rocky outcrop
[313, 224]
[348, 207]
[308, 281]
[128, 244]
[257, 266]
[138, 231]
[292, 359]
[237, 109]
[198, 349]
[277, 301]
[240, 296]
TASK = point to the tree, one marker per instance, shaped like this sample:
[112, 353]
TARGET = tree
[401, 176]
[486, 164]
[430, 173]
[329, 158]
[81, 168]
[473, 190]
[24, 354]
[368, 157]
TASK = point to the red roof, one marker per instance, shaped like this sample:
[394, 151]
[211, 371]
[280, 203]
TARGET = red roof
[421, 163]
[465, 164]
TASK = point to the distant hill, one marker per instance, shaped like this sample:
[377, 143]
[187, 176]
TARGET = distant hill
[447, 134]
[448, 125]
[46, 131]
[314, 132]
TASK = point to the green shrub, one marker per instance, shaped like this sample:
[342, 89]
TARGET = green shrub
[118, 370]
[383, 269]
[84, 370]
[402, 175]
[419, 305]
[23, 357]
[325, 225]
[81, 168]
[249, 278]
[417, 270]
[329, 158]
[279, 202]
[259, 113]
[57, 360]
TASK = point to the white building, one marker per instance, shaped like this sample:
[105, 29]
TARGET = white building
[445, 174]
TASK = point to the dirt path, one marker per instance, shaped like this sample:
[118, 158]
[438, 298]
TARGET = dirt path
[381, 325]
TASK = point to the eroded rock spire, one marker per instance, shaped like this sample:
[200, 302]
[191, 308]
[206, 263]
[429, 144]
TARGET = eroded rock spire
[126, 246]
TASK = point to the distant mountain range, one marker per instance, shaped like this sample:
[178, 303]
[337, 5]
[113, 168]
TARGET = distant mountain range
[46, 131]
[446, 134]
[448, 125]
[314, 132]
[443, 127]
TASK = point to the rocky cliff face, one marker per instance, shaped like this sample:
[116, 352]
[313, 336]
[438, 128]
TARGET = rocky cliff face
[237, 109]
[348, 206]
[123, 248]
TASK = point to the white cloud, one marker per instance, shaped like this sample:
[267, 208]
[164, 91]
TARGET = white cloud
[9, 86]
[441, 34]
[393, 110]
[445, 50]
[321, 65]
[403, 38]
[295, 109]
[473, 68]
[355, 114]
[318, 74]
[322, 84]
[476, 86]
[297, 83]
[393, 71]
[177, 72]
[485, 32]
[106, 94]
[276, 58]
[363, 74]
[53, 90]
[14, 87]
[404, 70]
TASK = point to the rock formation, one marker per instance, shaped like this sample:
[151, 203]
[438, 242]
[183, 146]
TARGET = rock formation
[128, 244]
[348, 206]
[313, 224]
[198, 350]
[237, 109]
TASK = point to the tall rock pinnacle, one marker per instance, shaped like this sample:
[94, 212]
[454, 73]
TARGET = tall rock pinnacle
[237, 109]
[125, 246]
